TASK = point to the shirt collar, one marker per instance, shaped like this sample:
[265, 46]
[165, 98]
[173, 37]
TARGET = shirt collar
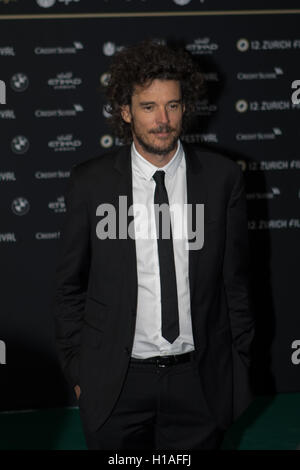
[147, 169]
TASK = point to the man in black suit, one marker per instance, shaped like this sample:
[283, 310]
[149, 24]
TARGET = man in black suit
[153, 324]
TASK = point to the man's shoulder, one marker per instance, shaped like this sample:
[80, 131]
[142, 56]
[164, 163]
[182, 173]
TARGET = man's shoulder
[104, 160]
[211, 159]
[99, 165]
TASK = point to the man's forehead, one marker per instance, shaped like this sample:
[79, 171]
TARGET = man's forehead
[156, 85]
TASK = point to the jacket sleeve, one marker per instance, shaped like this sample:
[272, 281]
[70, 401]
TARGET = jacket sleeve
[235, 269]
[72, 279]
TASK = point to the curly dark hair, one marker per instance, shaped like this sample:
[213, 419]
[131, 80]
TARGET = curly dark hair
[141, 64]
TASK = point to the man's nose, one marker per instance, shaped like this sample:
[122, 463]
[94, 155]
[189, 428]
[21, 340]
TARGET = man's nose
[163, 116]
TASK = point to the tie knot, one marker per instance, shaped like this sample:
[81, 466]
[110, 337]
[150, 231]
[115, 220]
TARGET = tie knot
[159, 177]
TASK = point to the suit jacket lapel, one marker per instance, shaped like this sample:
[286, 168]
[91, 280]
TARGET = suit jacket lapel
[196, 194]
[124, 187]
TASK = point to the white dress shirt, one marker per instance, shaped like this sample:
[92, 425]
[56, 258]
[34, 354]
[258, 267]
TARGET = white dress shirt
[148, 340]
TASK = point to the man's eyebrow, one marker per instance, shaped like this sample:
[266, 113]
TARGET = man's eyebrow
[144, 103]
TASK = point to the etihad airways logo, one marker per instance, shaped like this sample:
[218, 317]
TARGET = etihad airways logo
[58, 206]
[202, 46]
[64, 81]
[64, 143]
[205, 108]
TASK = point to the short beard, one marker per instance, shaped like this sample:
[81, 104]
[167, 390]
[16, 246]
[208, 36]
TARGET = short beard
[151, 148]
[156, 150]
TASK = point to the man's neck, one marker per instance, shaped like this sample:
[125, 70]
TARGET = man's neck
[157, 160]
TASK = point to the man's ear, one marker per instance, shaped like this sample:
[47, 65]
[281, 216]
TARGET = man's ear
[183, 107]
[126, 113]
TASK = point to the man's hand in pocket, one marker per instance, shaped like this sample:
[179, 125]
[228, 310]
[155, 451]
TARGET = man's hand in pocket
[77, 391]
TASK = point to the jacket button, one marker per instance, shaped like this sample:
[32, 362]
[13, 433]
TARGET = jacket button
[126, 350]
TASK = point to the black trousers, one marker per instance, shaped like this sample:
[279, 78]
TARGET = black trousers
[159, 408]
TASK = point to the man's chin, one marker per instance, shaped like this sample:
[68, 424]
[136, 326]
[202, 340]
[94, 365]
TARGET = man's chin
[163, 149]
[160, 151]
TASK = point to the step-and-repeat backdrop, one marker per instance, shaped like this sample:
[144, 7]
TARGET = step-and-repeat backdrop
[54, 56]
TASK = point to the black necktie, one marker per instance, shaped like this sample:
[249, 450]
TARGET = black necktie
[169, 301]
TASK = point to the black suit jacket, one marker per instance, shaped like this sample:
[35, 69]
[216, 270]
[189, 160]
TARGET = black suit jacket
[96, 286]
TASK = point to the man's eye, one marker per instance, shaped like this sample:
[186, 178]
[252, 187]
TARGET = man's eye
[173, 106]
[148, 108]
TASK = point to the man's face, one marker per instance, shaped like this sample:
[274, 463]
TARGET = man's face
[155, 116]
